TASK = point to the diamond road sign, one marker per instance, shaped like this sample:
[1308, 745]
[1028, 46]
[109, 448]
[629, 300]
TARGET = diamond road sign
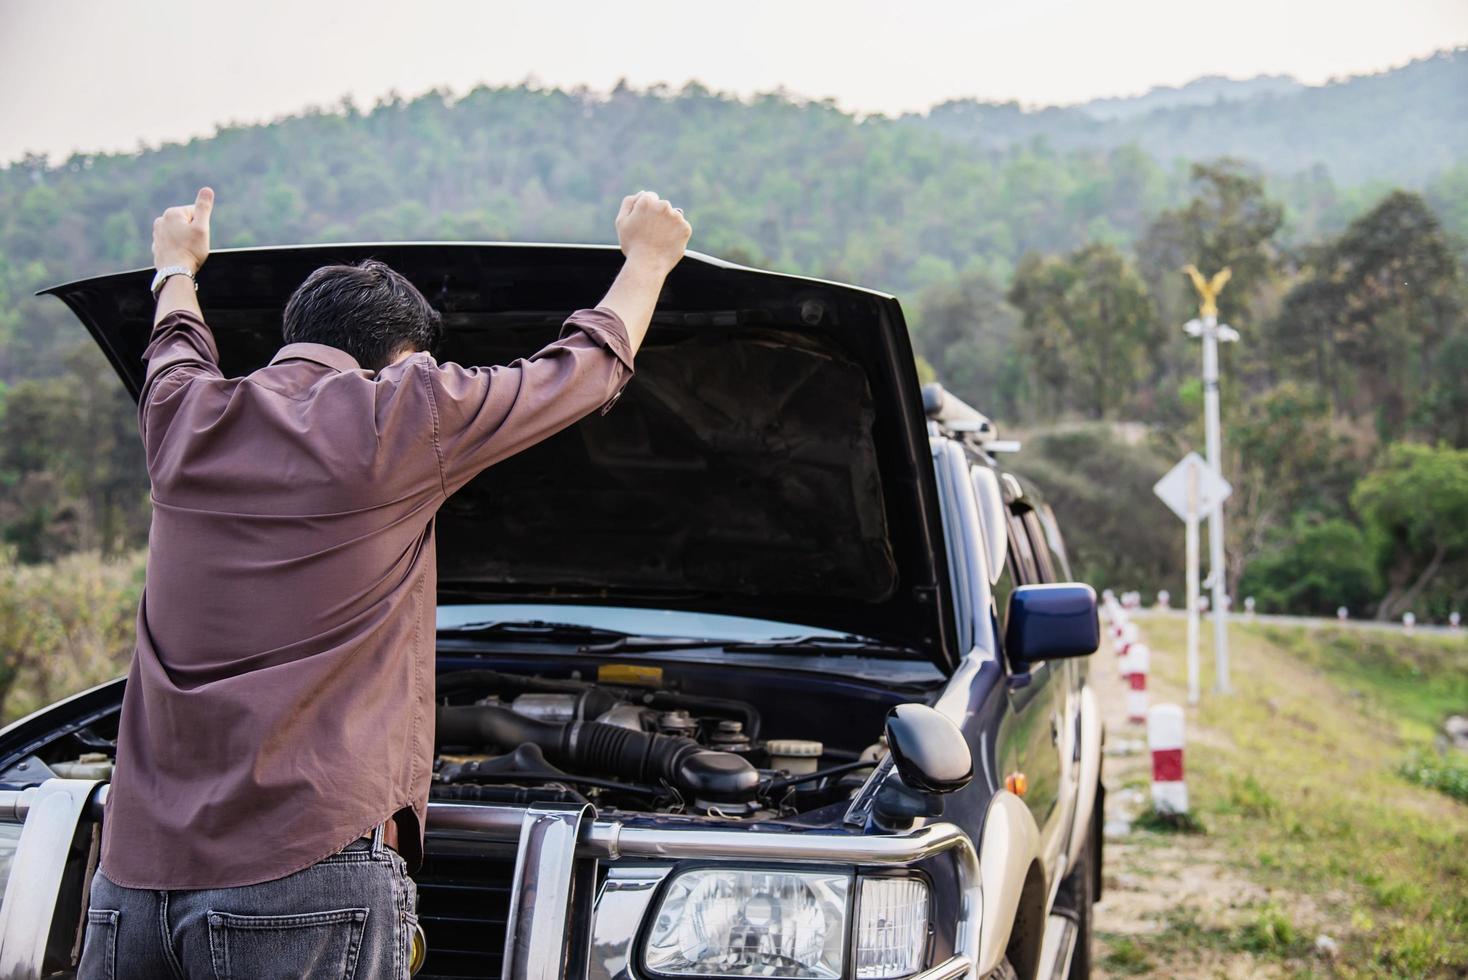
[1211, 486]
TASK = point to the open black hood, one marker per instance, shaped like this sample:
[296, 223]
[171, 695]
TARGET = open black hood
[769, 459]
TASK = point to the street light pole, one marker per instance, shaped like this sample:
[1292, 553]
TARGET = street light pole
[1211, 332]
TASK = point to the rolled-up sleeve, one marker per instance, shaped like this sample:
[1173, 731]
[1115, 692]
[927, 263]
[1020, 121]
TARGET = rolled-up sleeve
[485, 414]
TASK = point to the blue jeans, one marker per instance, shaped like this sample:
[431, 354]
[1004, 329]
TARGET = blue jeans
[349, 917]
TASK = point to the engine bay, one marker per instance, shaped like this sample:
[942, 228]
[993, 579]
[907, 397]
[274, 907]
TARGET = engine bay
[517, 739]
[702, 740]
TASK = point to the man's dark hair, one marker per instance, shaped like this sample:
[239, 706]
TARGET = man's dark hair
[368, 310]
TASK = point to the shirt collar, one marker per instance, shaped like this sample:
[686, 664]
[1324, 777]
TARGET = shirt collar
[323, 354]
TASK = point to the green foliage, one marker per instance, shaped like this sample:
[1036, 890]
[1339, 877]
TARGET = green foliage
[1117, 532]
[1415, 505]
[1321, 566]
[64, 626]
[1088, 326]
[1402, 126]
[1230, 222]
[1037, 254]
[1270, 931]
[1166, 822]
[966, 331]
[1445, 772]
[1371, 315]
[1125, 956]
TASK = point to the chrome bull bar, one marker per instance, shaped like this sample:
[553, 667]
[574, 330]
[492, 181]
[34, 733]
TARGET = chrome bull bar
[549, 840]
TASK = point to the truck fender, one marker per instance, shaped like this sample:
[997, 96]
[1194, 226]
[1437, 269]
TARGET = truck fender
[1090, 774]
[1010, 849]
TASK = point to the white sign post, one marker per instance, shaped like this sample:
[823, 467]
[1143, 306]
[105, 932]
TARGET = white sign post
[1191, 489]
[1212, 332]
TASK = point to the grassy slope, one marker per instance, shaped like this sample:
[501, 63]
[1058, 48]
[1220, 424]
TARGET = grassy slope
[1296, 779]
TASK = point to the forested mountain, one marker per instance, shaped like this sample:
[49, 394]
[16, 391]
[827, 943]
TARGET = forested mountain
[1037, 259]
[1400, 127]
[1199, 92]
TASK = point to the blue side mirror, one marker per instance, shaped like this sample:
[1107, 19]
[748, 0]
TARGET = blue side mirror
[1048, 622]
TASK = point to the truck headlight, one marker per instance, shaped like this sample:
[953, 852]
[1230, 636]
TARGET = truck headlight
[737, 922]
[744, 922]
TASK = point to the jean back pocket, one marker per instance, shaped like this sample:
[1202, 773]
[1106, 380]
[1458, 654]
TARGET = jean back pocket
[319, 945]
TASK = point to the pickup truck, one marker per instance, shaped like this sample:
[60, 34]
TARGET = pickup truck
[769, 671]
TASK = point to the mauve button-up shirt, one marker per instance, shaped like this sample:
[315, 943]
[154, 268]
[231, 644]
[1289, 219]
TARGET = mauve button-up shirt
[279, 704]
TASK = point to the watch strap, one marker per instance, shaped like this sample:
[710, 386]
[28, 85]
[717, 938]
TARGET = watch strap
[168, 272]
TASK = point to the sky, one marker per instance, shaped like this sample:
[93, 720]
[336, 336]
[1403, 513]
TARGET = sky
[111, 75]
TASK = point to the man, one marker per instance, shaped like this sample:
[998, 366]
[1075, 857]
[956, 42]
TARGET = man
[276, 737]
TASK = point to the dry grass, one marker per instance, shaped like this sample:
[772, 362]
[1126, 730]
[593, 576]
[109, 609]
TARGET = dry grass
[1298, 778]
[64, 626]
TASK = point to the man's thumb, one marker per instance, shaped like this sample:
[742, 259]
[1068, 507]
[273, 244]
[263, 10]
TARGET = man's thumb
[203, 204]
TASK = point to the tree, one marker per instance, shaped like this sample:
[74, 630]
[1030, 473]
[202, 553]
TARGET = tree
[1415, 506]
[1289, 461]
[1229, 222]
[1373, 312]
[1318, 568]
[966, 331]
[1088, 327]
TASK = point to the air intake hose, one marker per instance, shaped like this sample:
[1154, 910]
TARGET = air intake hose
[706, 775]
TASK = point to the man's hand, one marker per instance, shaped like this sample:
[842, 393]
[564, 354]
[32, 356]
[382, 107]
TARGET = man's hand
[653, 235]
[651, 230]
[181, 234]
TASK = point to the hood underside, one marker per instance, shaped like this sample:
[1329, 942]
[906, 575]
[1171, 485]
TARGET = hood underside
[769, 458]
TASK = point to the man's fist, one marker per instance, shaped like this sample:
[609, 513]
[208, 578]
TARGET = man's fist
[181, 234]
[650, 229]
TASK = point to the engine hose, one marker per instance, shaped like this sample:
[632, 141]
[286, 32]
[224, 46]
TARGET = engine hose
[707, 775]
[597, 698]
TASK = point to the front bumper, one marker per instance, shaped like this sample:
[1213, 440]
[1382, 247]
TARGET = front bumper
[556, 848]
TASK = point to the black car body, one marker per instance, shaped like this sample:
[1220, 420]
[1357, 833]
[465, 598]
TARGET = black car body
[776, 538]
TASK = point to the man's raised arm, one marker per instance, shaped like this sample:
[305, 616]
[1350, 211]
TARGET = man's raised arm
[653, 235]
[181, 346]
[181, 241]
[484, 414]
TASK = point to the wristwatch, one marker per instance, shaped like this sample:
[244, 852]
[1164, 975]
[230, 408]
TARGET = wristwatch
[168, 271]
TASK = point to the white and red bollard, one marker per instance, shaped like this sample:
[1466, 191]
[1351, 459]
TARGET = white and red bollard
[1165, 739]
[1342, 613]
[1455, 621]
[1409, 620]
[1138, 662]
[1164, 599]
[1130, 636]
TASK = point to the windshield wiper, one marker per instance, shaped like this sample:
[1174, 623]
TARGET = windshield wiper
[599, 640]
[537, 630]
[831, 646]
[589, 639]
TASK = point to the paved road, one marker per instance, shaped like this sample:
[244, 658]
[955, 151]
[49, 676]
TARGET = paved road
[1311, 622]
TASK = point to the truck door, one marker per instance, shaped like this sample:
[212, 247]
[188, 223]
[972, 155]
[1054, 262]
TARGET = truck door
[1065, 684]
[1030, 747]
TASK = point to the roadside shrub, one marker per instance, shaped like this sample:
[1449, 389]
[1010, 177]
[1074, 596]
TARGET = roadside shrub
[1445, 773]
[64, 626]
[1321, 566]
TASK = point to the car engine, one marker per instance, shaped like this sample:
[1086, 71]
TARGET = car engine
[516, 739]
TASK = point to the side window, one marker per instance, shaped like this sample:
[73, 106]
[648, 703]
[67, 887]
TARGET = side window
[1040, 544]
[1002, 589]
[1056, 540]
[1021, 555]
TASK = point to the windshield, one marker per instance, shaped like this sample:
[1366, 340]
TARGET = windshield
[637, 622]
